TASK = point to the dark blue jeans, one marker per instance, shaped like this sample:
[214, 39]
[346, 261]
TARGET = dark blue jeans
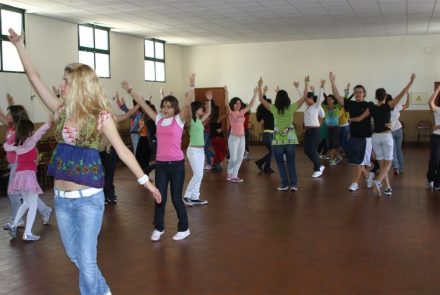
[311, 142]
[172, 173]
[289, 150]
[208, 152]
[267, 159]
[433, 173]
[344, 134]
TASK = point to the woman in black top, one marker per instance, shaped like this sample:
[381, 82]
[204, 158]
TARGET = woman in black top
[382, 138]
[218, 140]
[266, 116]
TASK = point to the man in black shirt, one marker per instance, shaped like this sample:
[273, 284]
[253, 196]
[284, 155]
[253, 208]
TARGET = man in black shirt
[359, 144]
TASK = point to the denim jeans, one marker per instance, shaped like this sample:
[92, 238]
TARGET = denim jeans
[208, 153]
[311, 142]
[79, 222]
[433, 173]
[267, 159]
[344, 134]
[397, 152]
[289, 150]
[172, 173]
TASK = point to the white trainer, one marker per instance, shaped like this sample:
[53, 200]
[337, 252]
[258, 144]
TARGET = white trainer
[181, 235]
[353, 187]
[155, 236]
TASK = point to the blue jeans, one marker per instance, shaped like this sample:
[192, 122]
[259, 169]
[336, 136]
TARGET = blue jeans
[344, 134]
[79, 222]
[172, 173]
[208, 152]
[289, 150]
[397, 152]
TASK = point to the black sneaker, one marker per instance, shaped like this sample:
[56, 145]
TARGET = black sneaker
[199, 202]
[388, 191]
[259, 165]
[268, 170]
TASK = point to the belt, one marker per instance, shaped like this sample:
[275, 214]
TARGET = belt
[77, 194]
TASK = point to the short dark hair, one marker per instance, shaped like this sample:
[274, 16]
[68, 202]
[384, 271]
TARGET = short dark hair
[282, 101]
[195, 106]
[18, 112]
[381, 94]
[234, 101]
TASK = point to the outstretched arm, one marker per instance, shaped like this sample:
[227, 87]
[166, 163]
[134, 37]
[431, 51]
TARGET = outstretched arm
[306, 90]
[431, 101]
[397, 99]
[365, 114]
[32, 73]
[208, 103]
[408, 102]
[264, 102]
[128, 114]
[138, 98]
[186, 108]
[336, 94]
[228, 109]
[111, 132]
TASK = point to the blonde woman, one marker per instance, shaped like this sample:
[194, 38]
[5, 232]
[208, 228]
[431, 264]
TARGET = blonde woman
[83, 120]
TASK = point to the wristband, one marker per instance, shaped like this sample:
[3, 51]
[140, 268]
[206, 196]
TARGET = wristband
[143, 179]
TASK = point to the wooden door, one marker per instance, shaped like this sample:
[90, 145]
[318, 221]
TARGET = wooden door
[436, 84]
[218, 94]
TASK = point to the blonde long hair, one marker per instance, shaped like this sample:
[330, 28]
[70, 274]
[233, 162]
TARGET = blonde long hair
[86, 97]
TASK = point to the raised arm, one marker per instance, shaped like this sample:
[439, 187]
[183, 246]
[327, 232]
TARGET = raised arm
[397, 99]
[306, 90]
[431, 101]
[264, 102]
[32, 73]
[208, 103]
[3, 117]
[189, 97]
[138, 98]
[321, 93]
[128, 114]
[254, 97]
[339, 98]
[408, 102]
[228, 109]
[111, 132]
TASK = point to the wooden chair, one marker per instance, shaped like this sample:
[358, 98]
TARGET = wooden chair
[424, 128]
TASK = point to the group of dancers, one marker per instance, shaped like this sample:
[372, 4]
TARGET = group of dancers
[84, 124]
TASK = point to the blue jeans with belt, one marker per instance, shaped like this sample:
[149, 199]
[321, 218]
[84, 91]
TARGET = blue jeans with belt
[289, 177]
[79, 222]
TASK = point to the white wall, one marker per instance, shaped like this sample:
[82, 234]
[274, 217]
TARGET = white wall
[52, 44]
[374, 62]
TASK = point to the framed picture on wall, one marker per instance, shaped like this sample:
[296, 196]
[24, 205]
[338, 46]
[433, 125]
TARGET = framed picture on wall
[419, 97]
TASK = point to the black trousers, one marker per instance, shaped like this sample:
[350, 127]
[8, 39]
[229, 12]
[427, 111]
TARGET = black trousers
[433, 173]
[311, 141]
[109, 160]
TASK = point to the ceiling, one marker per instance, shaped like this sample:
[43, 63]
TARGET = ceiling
[202, 22]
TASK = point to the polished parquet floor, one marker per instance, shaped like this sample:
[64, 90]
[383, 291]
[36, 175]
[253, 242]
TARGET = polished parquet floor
[251, 239]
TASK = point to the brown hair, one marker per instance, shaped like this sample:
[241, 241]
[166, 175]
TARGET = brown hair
[173, 101]
[23, 130]
[18, 112]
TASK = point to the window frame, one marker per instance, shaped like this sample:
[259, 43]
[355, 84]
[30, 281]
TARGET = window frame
[95, 50]
[5, 38]
[155, 59]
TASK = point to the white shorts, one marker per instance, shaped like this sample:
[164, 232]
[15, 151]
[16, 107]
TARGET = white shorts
[383, 146]
[367, 154]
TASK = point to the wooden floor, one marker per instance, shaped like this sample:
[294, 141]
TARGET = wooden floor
[251, 239]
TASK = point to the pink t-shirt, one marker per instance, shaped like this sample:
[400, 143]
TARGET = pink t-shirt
[169, 138]
[237, 122]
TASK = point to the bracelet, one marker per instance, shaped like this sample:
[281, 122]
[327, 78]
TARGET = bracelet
[143, 179]
[129, 90]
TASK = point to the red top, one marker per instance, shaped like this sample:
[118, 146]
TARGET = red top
[10, 139]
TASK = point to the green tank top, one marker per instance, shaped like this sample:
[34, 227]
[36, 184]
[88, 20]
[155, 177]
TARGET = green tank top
[196, 136]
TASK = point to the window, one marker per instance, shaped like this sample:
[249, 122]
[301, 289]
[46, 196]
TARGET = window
[154, 56]
[10, 17]
[94, 48]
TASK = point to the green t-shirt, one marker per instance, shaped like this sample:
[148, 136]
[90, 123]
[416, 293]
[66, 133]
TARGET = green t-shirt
[196, 136]
[332, 115]
[284, 132]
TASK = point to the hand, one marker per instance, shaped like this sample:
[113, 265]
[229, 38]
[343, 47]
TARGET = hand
[413, 77]
[226, 89]
[125, 85]
[154, 191]
[208, 95]
[161, 91]
[265, 89]
[56, 91]
[296, 84]
[348, 86]
[389, 125]
[277, 89]
[192, 79]
[322, 83]
[331, 77]
[256, 90]
[120, 101]
[260, 82]
[15, 38]
[312, 88]
[307, 79]
[10, 99]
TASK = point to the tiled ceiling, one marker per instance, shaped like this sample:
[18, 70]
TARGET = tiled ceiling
[201, 22]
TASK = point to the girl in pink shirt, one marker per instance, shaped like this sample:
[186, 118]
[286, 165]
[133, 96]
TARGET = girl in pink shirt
[236, 140]
[25, 180]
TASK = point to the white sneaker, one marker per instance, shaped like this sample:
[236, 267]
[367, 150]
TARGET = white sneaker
[429, 185]
[369, 180]
[46, 216]
[155, 236]
[181, 235]
[317, 174]
[353, 187]
[208, 167]
[282, 188]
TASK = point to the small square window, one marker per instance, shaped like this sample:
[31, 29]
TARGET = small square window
[154, 56]
[10, 17]
[94, 48]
